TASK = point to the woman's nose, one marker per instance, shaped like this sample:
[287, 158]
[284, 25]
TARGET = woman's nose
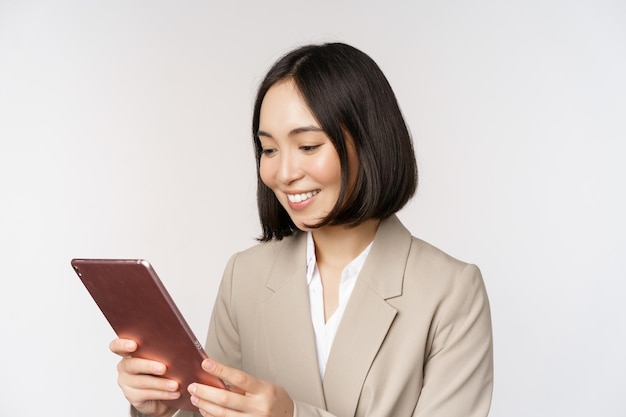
[289, 169]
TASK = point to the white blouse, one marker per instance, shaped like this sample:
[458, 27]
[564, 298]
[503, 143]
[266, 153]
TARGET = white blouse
[325, 331]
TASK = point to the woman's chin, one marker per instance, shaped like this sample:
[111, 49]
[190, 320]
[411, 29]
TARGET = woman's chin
[305, 224]
[303, 227]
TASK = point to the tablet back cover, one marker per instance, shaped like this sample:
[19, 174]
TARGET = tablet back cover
[138, 307]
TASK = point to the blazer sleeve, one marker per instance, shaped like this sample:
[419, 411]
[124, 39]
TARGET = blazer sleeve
[458, 371]
[222, 343]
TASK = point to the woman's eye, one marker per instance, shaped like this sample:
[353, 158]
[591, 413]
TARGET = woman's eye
[268, 151]
[309, 148]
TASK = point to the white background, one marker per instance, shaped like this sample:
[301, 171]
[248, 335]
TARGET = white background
[125, 132]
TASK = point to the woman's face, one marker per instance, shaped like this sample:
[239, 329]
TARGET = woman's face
[299, 162]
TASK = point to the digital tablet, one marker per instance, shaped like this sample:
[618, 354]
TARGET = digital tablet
[138, 307]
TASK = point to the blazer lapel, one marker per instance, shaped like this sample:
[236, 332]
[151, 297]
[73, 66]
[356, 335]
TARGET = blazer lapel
[288, 327]
[367, 318]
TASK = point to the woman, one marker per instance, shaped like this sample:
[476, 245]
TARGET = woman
[340, 311]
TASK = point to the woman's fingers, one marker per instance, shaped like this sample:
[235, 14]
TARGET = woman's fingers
[145, 391]
[141, 379]
[211, 399]
[246, 395]
[151, 388]
[215, 401]
[137, 366]
[142, 382]
[237, 380]
[123, 347]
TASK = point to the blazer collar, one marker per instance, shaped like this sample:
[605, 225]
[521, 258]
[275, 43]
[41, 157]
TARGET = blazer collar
[383, 270]
[392, 241]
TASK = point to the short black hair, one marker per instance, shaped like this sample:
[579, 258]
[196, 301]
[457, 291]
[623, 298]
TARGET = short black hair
[351, 99]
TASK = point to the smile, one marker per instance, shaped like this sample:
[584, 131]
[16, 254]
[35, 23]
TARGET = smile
[298, 198]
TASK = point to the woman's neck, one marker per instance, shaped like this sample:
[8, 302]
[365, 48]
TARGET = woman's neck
[339, 245]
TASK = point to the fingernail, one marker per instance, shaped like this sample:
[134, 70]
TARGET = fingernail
[209, 365]
[192, 389]
[194, 400]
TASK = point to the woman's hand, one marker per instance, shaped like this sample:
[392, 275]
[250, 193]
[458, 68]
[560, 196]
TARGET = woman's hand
[247, 395]
[141, 382]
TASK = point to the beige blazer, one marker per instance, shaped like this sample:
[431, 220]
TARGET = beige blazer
[415, 338]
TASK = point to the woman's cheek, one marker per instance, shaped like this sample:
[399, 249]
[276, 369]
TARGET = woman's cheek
[264, 172]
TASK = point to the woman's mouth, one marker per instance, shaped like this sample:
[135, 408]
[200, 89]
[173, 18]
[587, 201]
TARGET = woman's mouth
[300, 197]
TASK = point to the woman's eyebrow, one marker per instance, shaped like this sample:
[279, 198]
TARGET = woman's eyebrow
[304, 129]
[293, 132]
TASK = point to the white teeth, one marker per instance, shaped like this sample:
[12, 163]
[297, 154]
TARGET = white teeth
[298, 198]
